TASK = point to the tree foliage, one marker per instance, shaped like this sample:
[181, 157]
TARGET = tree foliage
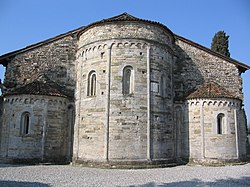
[220, 43]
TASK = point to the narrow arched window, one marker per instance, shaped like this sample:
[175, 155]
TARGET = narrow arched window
[220, 123]
[25, 123]
[92, 84]
[163, 86]
[128, 80]
[71, 122]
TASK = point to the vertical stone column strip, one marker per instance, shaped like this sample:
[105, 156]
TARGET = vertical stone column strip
[108, 77]
[236, 133]
[202, 129]
[174, 128]
[148, 105]
[44, 131]
[4, 135]
[176, 132]
[8, 136]
[78, 107]
[70, 124]
[80, 104]
[178, 139]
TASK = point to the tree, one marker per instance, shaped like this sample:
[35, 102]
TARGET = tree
[220, 43]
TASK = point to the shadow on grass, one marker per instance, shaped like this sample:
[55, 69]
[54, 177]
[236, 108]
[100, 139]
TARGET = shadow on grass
[241, 182]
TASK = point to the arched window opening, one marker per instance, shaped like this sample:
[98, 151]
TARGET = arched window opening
[92, 84]
[25, 123]
[220, 123]
[127, 86]
[71, 122]
[163, 86]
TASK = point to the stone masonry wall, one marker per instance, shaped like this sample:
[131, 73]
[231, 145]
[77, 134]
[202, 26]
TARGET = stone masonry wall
[162, 128]
[56, 147]
[204, 140]
[54, 59]
[128, 113]
[242, 120]
[126, 30]
[195, 66]
[47, 130]
[121, 45]
[90, 110]
[181, 120]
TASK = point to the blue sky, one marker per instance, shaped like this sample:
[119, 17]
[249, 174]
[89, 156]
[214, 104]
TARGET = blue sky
[25, 22]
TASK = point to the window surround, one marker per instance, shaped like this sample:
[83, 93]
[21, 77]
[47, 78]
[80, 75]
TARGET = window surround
[91, 88]
[163, 86]
[25, 123]
[128, 80]
[220, 124]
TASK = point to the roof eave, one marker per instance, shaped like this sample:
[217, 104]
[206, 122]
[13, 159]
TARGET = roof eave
[4, 59]
[53, 95]
[222, 97]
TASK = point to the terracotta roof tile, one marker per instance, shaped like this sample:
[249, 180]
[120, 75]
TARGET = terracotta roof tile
[42, 88]
[210, 90]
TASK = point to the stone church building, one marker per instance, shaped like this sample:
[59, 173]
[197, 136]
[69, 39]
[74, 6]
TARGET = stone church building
[121, 91]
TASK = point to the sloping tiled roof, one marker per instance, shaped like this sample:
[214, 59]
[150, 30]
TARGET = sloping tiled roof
[125, 17]
[210, 90]
[42, 88]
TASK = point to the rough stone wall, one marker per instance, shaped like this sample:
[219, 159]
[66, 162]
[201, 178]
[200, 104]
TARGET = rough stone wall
[123, 117]
[55, 59]
[90, 110]
[126, 30]
[47, 130]
[195, 66]
[204, 141]
[194, 132]
[128, 113]
[57, 127]
[113, 126]
[162, 128]
[242, 120]
[181, 120]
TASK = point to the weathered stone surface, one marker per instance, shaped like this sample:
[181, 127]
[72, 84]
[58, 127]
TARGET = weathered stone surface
[124, 134]
[204, 140]
[131, 79]
[48, 135]
[56, 60]
[193, 67]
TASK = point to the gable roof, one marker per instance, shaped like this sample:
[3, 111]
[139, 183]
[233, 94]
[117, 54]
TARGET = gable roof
[4, 59]
[242, 67]
[39, 87]
[211, 90]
